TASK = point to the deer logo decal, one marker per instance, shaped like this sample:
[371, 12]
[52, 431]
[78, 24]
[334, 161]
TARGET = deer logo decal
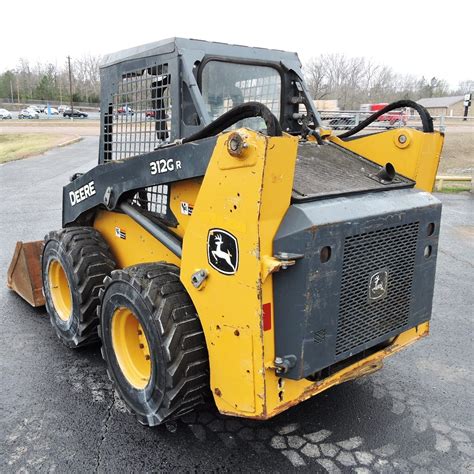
[378, 285]
[222, 251]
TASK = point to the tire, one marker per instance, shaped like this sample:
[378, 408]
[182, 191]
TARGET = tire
[159, 365]
[75, 262]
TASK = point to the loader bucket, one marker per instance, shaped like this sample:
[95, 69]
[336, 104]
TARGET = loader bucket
[24, 274]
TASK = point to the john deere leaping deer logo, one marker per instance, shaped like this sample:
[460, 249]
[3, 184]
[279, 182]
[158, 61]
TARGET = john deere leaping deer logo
[222, 251]
[378, 285]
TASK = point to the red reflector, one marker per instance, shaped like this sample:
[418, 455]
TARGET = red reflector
[267, 316]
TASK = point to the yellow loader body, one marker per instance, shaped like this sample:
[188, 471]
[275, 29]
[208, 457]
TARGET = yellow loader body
[228, 242]
[249, 196]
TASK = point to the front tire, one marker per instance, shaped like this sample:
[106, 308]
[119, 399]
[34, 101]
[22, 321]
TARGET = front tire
[153, 343]
[75, 262]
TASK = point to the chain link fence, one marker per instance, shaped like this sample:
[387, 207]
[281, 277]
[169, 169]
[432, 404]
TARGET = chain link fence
[341, 120]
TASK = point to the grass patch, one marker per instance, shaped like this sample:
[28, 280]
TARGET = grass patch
[15, 146]
[457, 157]
[455, 189]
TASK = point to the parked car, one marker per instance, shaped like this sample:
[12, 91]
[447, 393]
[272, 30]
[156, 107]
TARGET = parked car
[5, 114]
[157, 113]
[125, 110]
[52, 111]
[29, 113]
[36, 108]
[33, 110]
[75, 113]
[62, 108]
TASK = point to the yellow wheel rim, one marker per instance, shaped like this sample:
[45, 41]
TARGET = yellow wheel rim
[131, 348]
[60, 290]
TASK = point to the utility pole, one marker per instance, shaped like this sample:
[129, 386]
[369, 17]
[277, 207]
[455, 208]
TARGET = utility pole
[17, 90]
[70, 84]
[11, 90]
[467, 104]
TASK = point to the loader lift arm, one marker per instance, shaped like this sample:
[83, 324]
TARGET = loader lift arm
[114, 180]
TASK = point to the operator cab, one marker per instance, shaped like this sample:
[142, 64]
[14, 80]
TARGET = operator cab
[176, 87]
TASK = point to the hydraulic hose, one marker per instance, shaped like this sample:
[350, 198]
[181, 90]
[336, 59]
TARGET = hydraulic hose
[239, 112]
[425, 116]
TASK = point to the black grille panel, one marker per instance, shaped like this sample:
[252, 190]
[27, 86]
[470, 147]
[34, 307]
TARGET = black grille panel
[153, 199]
[362, 320]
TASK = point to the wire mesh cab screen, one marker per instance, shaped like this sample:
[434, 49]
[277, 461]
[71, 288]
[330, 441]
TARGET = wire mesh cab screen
[225, 85]
[138, 120]
[139, 115]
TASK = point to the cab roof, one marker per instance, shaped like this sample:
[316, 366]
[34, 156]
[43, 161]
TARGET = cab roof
[180, 45]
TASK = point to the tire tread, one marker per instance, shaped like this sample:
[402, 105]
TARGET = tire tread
[91, 261]
[175, 318]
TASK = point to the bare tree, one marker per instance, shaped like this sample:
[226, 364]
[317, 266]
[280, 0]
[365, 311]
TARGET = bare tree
[50, 82]
[316, 78]
[86, 75]
[357, 80]
[465, 87]
[350, 80]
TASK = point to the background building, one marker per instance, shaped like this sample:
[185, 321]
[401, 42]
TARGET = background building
[447, 106]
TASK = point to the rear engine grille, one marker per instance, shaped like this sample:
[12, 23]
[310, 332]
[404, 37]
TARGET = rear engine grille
[362, 320]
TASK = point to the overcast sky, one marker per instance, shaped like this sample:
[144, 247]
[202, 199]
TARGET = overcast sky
[420, 37]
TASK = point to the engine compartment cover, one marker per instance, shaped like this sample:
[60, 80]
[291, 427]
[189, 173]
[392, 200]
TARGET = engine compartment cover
[330, 170]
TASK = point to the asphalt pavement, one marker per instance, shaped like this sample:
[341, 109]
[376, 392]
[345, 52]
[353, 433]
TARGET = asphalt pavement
[58, 412]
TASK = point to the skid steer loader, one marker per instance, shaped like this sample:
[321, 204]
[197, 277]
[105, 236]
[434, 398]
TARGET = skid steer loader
[228, 243]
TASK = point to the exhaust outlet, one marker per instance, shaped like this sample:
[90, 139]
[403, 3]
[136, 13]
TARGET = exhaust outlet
[386, 174]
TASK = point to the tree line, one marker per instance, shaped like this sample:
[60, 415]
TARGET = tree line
[350, 80]
[357, 80]
[49, 81]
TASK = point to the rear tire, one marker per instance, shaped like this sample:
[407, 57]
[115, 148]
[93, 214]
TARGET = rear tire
[153, 343]
[75, 262]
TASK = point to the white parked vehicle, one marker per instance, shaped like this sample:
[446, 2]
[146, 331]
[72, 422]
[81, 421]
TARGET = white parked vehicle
[52, 111]
[28, 113]
[35, 108]
[5, 114]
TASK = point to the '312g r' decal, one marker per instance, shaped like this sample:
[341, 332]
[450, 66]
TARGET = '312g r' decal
[163, 166]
